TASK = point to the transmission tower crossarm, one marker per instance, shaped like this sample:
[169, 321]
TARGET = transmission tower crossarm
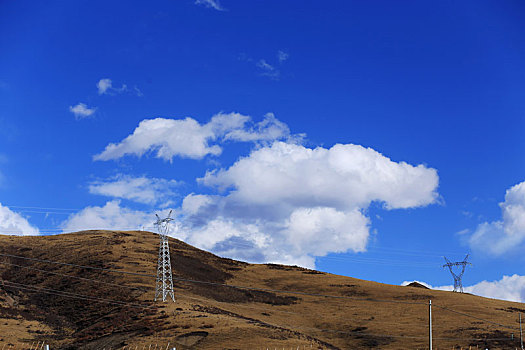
[448, 262]
[457, 277]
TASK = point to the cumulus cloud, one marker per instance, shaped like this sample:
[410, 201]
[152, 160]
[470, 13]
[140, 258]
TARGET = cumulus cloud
[310, 227]
[283, 203]
[192, 203]
[250, 241]
[168, 137]
[187, 138]
[343, 177]
[214, 4]
[81, 111]
[111, 216]
[287, 203]
[12, 223]
[511, 288]
[138, 189]
[499, 237]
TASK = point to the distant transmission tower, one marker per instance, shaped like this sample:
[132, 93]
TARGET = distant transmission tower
[164, 285]
[458, 286]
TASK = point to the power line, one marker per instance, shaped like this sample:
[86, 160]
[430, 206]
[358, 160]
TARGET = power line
[255, 288]
[45, 212]
[414, 252]
[376, 321]
[358, 260]
[76, 277]
[76, 265]
[25, 207]
[420, 252]
[34, 288]
[85, 297]
[61, 230]
[218, 284]
[388, 262]
[141, 289]
[346, 332]
[398, 251]
[471, 316]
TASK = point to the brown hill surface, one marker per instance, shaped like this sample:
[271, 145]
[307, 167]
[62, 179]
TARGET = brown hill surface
[73, 307]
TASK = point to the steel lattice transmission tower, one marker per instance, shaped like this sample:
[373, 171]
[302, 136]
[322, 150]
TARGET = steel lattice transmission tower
[164, 286]
[457, 277]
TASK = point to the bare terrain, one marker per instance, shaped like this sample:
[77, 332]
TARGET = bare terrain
[83, 305]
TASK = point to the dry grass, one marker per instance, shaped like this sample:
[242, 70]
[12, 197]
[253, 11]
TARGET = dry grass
[217, 317]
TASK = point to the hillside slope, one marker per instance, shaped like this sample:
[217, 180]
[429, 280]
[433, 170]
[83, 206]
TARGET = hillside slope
[90, 307]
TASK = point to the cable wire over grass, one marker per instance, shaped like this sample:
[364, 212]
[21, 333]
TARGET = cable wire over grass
[246, 288]
[85, 297]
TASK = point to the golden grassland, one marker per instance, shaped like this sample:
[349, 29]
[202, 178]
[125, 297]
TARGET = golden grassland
[62, 304]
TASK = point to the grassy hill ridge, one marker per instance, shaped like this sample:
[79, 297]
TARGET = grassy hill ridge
[74, 307]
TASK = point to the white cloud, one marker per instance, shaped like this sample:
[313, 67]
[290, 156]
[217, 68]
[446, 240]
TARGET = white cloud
[81, 111]
[499, 237]
[309, 227]
[511, 288]
[287, 203]
[214, 4]
[12, 223]
[168, 137]
[138, 189]
[187, 138]
[282, 56]
[463, 232]
[265, 68]
[192, 203]
[283, 203]
[137, 91]
[265, 65]
[268, 129]
[110, 217]
[103, 85]
[344, 176]
[268, 70]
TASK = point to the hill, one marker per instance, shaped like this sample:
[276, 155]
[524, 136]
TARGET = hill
[95, 289]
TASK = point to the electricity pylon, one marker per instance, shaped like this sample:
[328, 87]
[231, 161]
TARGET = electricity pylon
[164, 285]
[457, 277]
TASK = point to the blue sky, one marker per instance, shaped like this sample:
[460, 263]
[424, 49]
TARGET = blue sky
[425, 100]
